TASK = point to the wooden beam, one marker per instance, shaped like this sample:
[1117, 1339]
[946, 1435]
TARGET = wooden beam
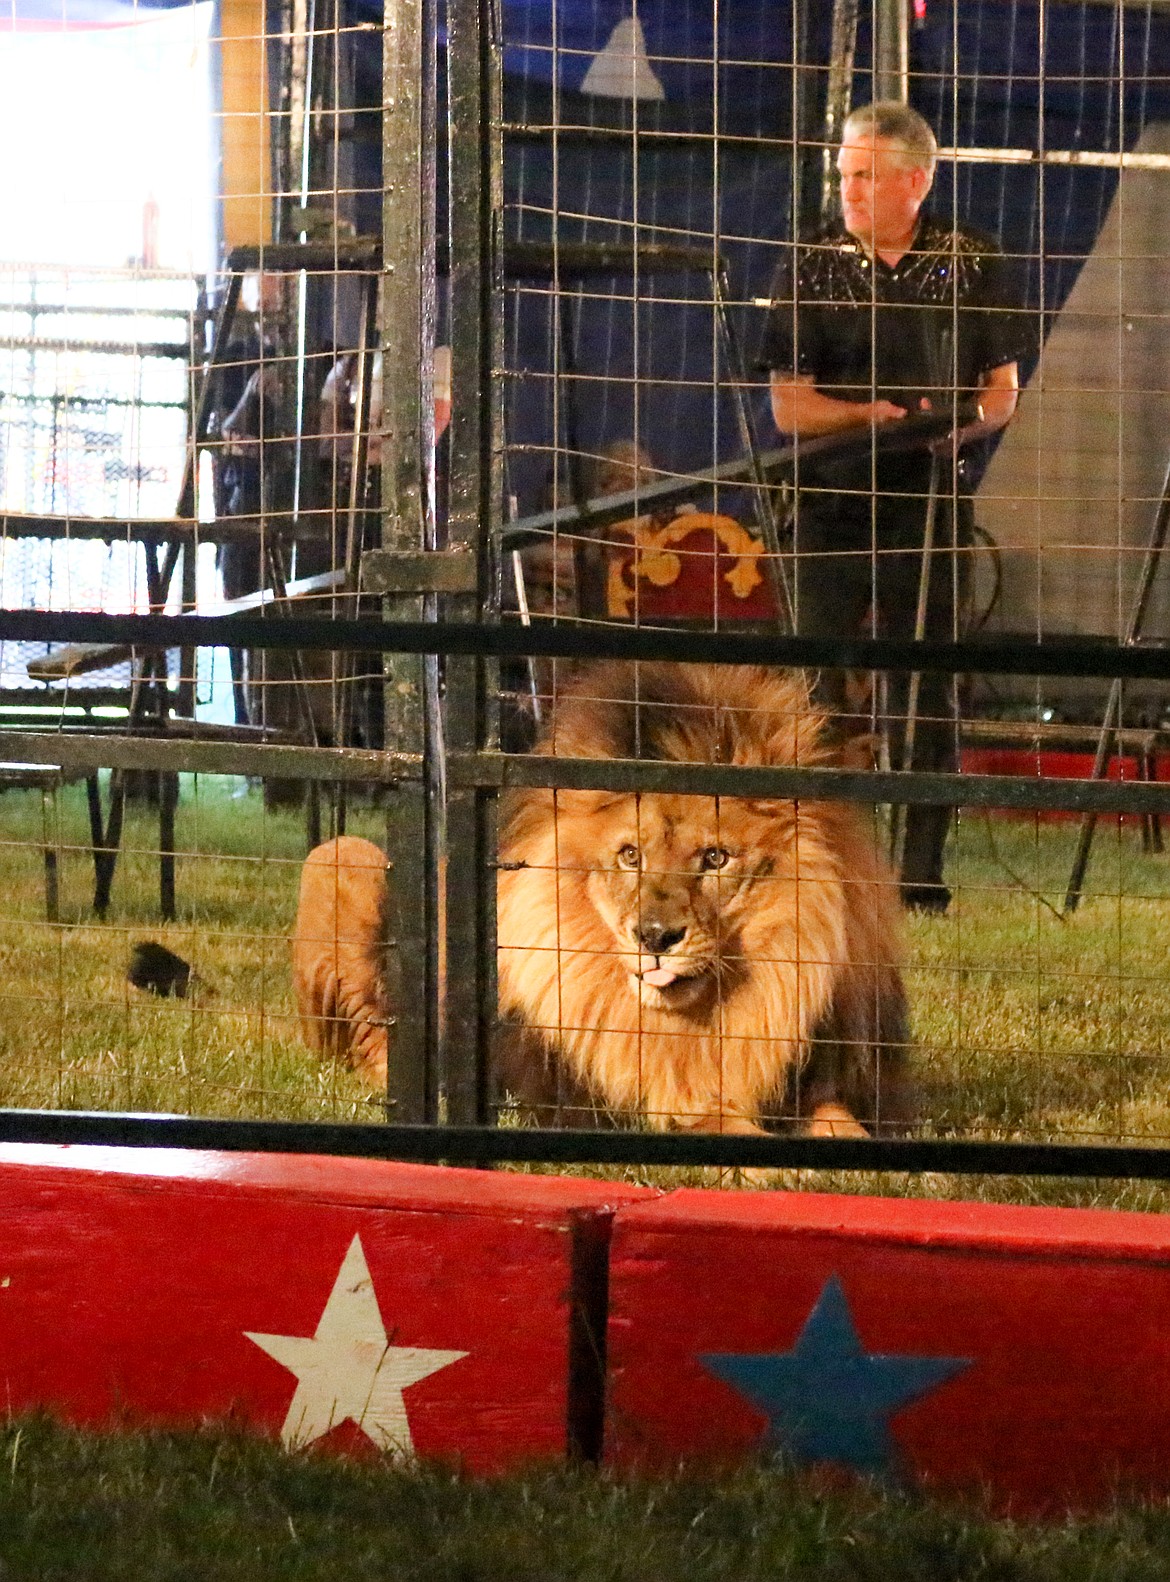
[246, 167]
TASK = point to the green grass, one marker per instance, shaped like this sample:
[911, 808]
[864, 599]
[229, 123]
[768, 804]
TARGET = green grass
[1027, 1026]
[211, 1506]
[1032, 1026]
[74, 1034]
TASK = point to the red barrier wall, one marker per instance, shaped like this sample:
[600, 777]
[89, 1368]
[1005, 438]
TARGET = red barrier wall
[960, 1346]
[462, 1315]
[443, 1310]
[1052, 765]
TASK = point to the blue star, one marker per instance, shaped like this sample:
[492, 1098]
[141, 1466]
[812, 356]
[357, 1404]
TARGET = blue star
[827, 1399]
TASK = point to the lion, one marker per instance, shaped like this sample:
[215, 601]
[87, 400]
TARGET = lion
[693, 962]
[336, 949]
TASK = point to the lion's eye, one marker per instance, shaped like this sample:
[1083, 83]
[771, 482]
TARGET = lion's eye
[629, 857]
[712, 858]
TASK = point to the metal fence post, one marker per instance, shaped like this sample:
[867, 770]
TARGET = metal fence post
[476, 202]
[407, 313]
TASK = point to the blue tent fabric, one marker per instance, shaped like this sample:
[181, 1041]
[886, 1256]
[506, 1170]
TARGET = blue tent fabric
[985, 74]
[1100, 79]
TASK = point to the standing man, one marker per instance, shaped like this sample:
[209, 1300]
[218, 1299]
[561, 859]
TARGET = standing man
[886, 313]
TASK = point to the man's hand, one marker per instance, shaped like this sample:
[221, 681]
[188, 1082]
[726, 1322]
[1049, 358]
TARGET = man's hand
[883, 411]
[800, 408]
[999, 391]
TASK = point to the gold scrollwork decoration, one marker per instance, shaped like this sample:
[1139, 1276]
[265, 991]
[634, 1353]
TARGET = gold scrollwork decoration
[656, 560]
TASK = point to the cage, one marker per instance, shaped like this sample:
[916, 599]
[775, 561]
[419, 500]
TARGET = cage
[418, 592]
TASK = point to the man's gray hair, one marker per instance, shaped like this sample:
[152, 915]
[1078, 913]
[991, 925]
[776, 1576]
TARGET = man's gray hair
[897, 121]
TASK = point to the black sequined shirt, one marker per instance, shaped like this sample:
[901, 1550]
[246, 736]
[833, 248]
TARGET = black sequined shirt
[948, 312]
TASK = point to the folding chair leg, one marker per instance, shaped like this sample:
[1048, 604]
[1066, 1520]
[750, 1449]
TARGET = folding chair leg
[105, 853]
[168, 796]
[49, 846]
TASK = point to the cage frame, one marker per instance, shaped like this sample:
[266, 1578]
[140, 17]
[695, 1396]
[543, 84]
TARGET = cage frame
[443, 759]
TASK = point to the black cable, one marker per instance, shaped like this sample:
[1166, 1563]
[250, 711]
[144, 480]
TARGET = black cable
[984, 540]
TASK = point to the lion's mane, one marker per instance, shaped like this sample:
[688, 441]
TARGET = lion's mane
[807, 1012]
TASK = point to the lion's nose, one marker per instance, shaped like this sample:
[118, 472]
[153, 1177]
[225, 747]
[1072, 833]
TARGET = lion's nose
[657, 938]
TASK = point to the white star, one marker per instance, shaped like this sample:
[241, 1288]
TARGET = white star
[348, 1369]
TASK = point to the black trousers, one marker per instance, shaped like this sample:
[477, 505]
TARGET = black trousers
[858, 570]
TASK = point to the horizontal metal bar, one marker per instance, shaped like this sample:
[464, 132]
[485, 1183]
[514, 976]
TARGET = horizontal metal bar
[521, 260]
[908, 434]
[646, 499]
[1061, 657]
[81, 659]
[164, 529]
[75, 310]
[521, 1145]
[86, 752]
[46, 343]
[58, 401]
[419, 571]
[266, 760]
[362, 254]
[19, 524]
[1097, 158]
[724, 141]
[567, 261]
[1025, 793]
[568, 134]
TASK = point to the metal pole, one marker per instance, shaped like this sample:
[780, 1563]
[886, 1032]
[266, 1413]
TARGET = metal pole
[891, 50]
[343, 667]
[805, 121]
[411, 837]
[898, 813]
[761, 495]
[305, 164]
[838, 96]
[1112, 719]
[475, 495]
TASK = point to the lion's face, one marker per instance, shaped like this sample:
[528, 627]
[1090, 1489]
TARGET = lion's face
[675, 956]
[675, 880]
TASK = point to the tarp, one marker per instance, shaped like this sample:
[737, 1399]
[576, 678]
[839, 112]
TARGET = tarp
[49, 16]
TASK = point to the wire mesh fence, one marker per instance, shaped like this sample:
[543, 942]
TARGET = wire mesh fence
[574, 322]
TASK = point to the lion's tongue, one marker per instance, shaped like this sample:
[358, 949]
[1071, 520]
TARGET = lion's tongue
[659, 977]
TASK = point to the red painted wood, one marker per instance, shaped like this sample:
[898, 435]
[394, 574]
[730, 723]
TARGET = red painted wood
[1064, 1316]
[688, 567]
[130, 1280]
[1051, 765]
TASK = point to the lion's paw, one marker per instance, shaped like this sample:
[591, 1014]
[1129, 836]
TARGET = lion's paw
[833, 1120]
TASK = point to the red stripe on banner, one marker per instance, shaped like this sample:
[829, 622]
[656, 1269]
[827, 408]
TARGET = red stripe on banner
[1022, 1352]
[397, 1306]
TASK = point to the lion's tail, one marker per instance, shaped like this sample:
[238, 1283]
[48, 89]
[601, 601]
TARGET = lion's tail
[337, 972]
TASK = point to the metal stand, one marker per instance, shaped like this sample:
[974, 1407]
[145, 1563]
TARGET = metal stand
[1112, 720]
[898, 812]
[941, 359]
[581, 261]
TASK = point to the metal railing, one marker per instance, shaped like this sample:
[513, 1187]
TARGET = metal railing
[459, 1064]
